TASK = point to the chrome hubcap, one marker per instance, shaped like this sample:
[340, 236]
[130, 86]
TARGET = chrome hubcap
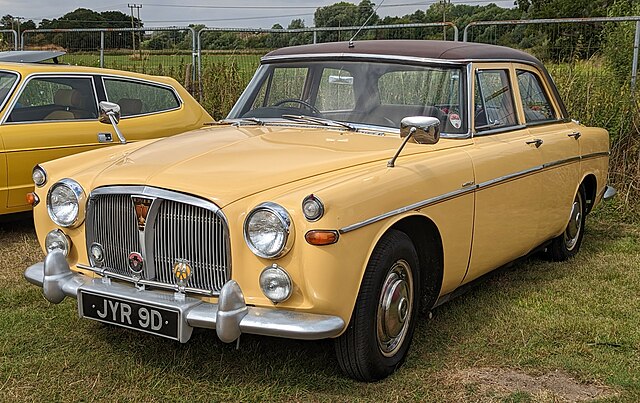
[394, 308]
[572, 233]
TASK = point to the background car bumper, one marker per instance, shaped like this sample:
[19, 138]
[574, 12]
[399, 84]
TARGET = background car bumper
[229, 317]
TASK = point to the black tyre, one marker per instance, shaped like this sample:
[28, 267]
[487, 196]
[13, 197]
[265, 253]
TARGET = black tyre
[383, 320]
[568, 243]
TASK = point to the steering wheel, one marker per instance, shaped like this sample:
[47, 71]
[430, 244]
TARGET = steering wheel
[301, 102]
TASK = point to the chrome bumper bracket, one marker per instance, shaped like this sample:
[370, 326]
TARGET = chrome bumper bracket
[230, 317]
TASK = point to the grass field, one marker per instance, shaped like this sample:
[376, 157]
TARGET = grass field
[537, 331]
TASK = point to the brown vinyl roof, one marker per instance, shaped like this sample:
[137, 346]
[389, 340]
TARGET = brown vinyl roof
[445, 50]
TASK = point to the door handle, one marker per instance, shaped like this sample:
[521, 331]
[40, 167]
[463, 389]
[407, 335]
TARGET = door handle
[105, 138]
[537, 142]
[575, 135]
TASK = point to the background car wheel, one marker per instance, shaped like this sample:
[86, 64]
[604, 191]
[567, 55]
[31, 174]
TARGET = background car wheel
[568, 243]
[381, 328]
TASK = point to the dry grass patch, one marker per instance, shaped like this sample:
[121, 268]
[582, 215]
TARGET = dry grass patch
[500, 384]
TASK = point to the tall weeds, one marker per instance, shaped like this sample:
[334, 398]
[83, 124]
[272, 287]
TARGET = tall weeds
[596, 95]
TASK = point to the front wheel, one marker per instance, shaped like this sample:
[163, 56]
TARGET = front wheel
[383, 320]
[568, 243]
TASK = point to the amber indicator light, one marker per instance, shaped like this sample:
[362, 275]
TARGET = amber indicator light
[321, 237]
[32, 199]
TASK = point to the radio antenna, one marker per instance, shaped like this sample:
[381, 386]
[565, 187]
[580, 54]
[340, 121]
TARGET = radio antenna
[364, 25]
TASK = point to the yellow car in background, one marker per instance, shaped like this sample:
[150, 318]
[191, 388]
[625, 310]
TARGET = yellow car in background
[48, 111]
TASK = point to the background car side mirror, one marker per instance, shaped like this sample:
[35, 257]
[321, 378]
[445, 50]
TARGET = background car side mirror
[423, 129]
[110, 113]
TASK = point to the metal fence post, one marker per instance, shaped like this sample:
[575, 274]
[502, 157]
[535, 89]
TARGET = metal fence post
[634, 68]
[102, 49]
[315, 37]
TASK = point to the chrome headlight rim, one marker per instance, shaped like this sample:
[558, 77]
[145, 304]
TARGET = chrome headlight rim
[81, 198]
[44, 175]
[287, 224]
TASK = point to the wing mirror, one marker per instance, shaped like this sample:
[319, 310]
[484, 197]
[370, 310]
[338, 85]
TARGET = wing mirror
[422, 129]
[110, 114]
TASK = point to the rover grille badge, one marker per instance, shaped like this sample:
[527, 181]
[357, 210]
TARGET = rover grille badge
[136, 263]
[142, 205]
[182, 272]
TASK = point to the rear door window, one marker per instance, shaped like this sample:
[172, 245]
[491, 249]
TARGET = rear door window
[140, 98]
[535, 100]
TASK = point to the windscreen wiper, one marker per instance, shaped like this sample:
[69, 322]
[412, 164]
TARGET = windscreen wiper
[321, 121]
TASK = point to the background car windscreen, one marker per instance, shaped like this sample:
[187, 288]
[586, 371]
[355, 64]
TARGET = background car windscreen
[6, 83]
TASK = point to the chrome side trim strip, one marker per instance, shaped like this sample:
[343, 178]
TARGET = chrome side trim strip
[466, 189]
[596, 155]
[505, 178]
[561, 162]
[415, 206]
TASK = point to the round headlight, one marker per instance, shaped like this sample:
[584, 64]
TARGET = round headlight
[312, 208]
[65, 203]
[57, 240]
[39, 176]
[268, 231]
[275, 284]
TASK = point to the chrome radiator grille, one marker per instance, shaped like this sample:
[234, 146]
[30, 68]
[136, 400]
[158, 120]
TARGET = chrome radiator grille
[177, 228]
[194, 234]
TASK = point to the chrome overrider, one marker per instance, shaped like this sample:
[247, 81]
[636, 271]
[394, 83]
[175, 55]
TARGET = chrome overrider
[230, 317]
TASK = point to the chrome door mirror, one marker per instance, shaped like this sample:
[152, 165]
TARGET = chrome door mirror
[110, 114]
[423, 129]
[108, 109]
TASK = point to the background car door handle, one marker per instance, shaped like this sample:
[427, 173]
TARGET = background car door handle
[105, 137]
[537, 142]
[575, 135]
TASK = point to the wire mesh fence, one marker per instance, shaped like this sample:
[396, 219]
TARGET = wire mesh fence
[160, 51]
[8, 39]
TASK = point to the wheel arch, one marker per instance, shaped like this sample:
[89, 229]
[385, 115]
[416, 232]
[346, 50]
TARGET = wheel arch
[425, 235]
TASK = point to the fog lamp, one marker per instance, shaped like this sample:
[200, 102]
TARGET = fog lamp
[57, 240]
[275, 283]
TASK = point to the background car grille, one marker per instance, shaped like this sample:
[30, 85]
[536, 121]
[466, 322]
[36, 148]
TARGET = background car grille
[179, 231]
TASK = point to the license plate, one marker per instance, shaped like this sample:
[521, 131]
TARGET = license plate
[133, 315]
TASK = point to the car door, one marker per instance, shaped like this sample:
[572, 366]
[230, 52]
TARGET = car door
[506, 164]
[559, 149]
[50, 117]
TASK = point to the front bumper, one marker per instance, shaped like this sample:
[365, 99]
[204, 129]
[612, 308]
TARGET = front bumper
[230, 317]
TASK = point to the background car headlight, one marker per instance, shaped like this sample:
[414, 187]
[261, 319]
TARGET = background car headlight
[268, 231]
[65, 203]
[39, 176]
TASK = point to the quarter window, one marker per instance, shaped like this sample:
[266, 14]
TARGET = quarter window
[138, 98]
[493, 100]
[55, 98]
[535, 101]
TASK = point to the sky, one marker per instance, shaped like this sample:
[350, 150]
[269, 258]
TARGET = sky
[219, 13]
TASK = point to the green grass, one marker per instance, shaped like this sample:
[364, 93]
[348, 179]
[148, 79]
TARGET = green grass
[579, 318]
